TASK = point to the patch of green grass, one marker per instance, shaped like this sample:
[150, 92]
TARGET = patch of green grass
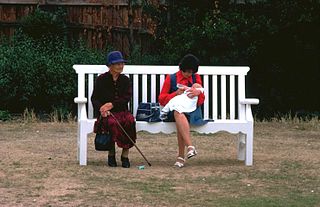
[289, 165]
[39, 187]
[16, 164]
[152, 186]
[290, 200]
[40, 175]
[273, 176]
[5, 183]
[67, 197]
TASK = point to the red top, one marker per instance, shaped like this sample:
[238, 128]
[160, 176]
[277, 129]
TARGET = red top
[165, 96]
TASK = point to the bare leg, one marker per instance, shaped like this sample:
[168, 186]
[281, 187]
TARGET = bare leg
[181, 145]
[183, 128]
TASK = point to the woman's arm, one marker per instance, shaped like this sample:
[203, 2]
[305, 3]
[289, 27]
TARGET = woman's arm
[165, 95]
[201, 96]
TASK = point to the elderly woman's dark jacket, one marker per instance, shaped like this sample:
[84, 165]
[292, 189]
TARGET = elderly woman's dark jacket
[117, 92]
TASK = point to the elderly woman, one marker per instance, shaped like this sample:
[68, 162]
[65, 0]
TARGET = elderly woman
[111, 93]
[185, 76]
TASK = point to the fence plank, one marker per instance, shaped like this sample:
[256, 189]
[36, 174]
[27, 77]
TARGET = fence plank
[98, 23]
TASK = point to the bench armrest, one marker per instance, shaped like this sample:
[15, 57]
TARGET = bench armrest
[253, 101]
[80, 100]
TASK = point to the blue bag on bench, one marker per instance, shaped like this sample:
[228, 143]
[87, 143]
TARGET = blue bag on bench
[149, 112]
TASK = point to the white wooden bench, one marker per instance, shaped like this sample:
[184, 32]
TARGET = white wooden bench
[225, 102]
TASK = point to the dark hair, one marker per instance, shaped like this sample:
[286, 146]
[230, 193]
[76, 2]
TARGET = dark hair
[189, 62]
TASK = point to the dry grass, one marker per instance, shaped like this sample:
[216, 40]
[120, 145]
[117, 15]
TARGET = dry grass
[39, 168]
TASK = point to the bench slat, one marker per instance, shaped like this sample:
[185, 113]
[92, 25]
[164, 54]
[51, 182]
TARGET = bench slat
[153, 88]
[162, 78]
[241, 94]
[215, 97]
[135, 93]
[223, 97]
[232, 97]
[206, 93]
[81, 85]
[144, 88]
[90, 90]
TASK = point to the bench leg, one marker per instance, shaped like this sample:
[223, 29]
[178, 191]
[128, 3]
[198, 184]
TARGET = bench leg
[245, 148]
[78, 142]
[82, 147]
[249, 148]
[241, 146]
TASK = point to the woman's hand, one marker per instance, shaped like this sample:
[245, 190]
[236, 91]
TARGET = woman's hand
[180, 90]
[192, 92]
[105, 109]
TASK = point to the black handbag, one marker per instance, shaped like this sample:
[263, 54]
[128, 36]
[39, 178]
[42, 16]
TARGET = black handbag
[149, 112]
[103, 140]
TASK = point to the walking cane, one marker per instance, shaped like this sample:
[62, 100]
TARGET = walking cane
[130, 138]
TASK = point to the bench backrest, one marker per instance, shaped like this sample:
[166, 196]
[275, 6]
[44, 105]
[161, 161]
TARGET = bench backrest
[224, 87]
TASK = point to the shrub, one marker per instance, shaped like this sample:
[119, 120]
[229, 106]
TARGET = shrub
[277, 39]
[41, 24]
[39, 75]
[5, 115]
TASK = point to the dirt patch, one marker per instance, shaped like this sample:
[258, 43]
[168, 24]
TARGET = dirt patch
[38, 167]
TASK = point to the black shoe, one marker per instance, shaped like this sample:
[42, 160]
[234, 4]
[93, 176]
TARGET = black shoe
[125, 162]
[112, 161]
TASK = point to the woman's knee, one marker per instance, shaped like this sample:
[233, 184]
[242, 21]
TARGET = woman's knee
[179, 116]
[181, 119]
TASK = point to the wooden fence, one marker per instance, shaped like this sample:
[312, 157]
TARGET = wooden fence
[98, 22]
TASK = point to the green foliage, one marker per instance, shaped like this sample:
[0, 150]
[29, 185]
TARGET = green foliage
[36, 66]
[39, 74]
[42, 24]
[137, 58]
[5, 115]
[279, 40]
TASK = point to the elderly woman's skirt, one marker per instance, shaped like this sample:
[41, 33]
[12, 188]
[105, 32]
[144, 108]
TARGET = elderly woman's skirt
[127, 122]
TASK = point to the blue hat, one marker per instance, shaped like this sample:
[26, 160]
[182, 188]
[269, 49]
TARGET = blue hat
[115, 57]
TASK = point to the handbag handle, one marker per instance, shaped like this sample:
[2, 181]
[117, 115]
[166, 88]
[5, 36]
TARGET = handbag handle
[99, 127]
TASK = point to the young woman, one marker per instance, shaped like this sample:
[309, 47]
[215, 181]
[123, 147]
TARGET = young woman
[187, 75]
